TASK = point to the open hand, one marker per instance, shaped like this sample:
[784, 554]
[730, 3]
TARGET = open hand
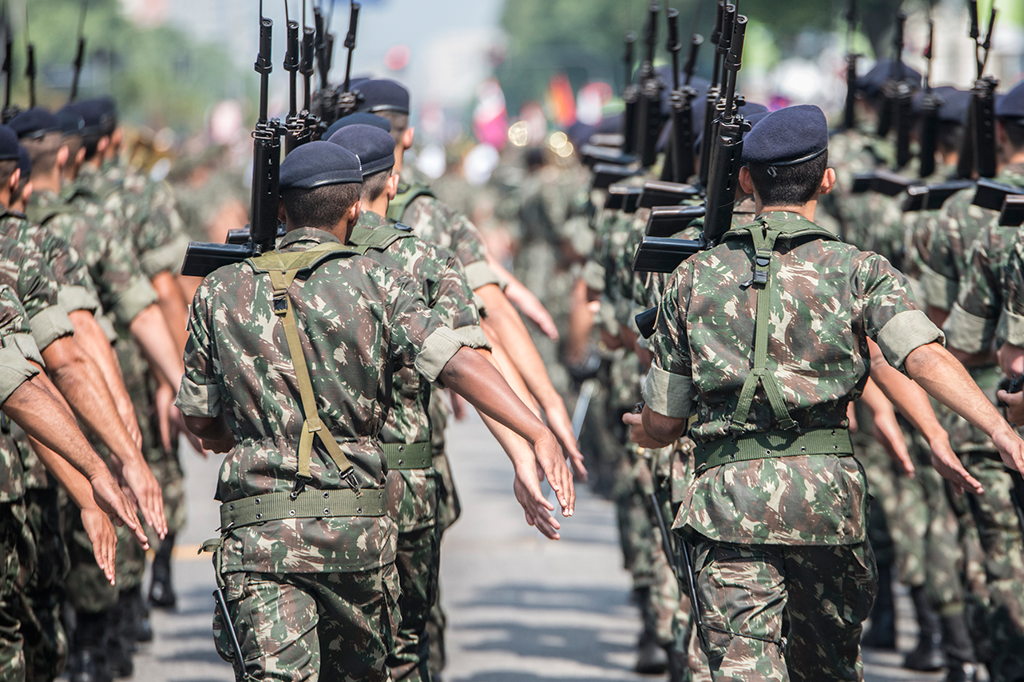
[535, 506]
[949, 467]
[103, 538]
[552, 462]
[111, 500]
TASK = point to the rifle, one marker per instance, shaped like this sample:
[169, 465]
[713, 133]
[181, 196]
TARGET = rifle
[649, 104]
[849, 108]
[203, 258]
[293, 125]
[80, 55]
[978, 152]
[348, 101]
[310, 121]
[9, 111]
[665, 255]
[30, 65]
[895, 76]
[630, 95]
[334, 103]
[683, 164]
[719, 34]
[930, 105]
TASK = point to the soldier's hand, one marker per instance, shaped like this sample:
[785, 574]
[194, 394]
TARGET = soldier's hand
[103, 538]
[552, 462]
[164, 400]
[1006, 440]
[949, 467]
[888, 433]
[530, 306]
[111, 500]
[1014, 406]
[537, 509]
[147, 491]
[561, 426]
[637, 433]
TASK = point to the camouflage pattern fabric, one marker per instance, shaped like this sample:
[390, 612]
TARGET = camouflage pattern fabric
[433, 221]
[12, 643]
[810, 603]
[17, 347]
[292, 626]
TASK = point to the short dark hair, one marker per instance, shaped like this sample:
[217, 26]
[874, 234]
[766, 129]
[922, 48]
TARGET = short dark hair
[951, 136]
[91, 144]
[399, 123]
[790, 185]
[320, 207]
[1015, 131]
[374, 185]
[43, 151]
[7, 169]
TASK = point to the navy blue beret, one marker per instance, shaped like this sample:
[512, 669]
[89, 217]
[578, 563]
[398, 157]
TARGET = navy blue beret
[1011, 105]
[24, 163]
[34, 122]
[8, 144]
[787, 137]
[751, 111]
[381, 94]
[871, 83]
[358, 118]
[374, 147]
[100, 116]
[70, 121]
[318, 164]
[955, 103]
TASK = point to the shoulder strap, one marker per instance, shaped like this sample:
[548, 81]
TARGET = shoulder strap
[406, 195]
[378, 238]
[764, 245]
[282, 268]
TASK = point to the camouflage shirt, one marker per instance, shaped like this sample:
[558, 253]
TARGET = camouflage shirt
[827, 299]
[358, 322]
[96, 235]
[16, 349]
[1011, 328]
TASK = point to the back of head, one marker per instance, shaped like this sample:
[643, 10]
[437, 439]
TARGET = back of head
[388, 99]
[787, 155]
[99, 117]
[376, 151]
[320, 182]
[8, 154]
[40, 134]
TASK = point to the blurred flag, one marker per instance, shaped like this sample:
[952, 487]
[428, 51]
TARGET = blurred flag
[561, 101]
[490, 117]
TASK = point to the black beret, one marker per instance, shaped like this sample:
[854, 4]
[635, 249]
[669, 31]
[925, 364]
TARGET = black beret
[381, 94]
[1011, 105]
[34, 122]
[871, 83]
[955, 103]
[24, 163]
[70, 121]
[374, 147]
[358, 118]
[318, 164]
[8, 144]
[787, 137]
[100, 116]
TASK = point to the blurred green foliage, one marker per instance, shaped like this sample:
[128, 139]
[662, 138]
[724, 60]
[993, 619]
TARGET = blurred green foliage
[585, 39]
[159, 76]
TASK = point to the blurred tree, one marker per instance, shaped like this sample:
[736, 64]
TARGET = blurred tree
[159, 76]
[585, 39]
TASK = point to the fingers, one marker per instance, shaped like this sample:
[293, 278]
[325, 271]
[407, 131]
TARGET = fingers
[633, 419]
[104, 540]
[578, 468]
[118, 505]
[535, 506]
[164, 421]
[950, 468]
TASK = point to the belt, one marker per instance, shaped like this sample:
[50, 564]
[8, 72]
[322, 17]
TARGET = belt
[309, 504]
[407, 455]
[771, 444]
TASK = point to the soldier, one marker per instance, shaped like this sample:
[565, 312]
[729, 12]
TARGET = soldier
[970, 330]
[307, 553]
[777, 509]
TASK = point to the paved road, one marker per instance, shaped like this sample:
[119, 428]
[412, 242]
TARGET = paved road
[521, 608]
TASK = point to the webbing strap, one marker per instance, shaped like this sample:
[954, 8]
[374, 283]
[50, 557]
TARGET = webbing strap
[309, 504]
[771, 444]
[408, 455]
[764, 243]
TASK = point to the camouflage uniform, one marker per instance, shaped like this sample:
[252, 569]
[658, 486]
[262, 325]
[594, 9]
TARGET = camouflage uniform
[444, 288]
[308, 593]
[971, 327]
[779, 536]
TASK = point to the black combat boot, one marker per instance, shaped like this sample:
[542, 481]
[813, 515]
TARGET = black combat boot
[927, 655]
[650, 657]
[882, 633]
[88, 659]
[959, 649]
[161, 592]
[119, 637]
[678, 668]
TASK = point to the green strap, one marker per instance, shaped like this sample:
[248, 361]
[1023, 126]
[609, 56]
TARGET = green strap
[282, 268]
[406, 195]
[309, 504]
[407, 455]
[771, 444]
[378, 238]
[764, 243]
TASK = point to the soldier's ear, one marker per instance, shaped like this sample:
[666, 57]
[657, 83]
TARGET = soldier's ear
[746, 182]
[392, 186]
[62, 156]
[282, 215]
[80, 157]
[408, 136]
[14, 181]
[828, 181]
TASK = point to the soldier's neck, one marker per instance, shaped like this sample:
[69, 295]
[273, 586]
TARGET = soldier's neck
[806, 210]
[378, 205]
[47, 182]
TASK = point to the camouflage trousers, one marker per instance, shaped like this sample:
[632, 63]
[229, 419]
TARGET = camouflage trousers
[166, 467]
[418, 560]
[999, 530]
[448, 511]
[46, 641]
[311, 626]
[784, 612]
[12, 645]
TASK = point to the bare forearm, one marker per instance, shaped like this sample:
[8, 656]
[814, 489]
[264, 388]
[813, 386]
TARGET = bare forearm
[173, 306]
[947, 381]
[74, 482]
[93, 341]
[500, 358]
[150, 330]
[908, 397]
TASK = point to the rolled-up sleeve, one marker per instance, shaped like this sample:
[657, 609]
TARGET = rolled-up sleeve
[668, 394]
[74, 297]
[906, 332]
[50, 324]
[438, 349]
[480, 274]
[15, 368]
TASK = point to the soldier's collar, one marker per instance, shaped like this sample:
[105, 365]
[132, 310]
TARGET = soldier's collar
[307, 234]
[371, 220]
